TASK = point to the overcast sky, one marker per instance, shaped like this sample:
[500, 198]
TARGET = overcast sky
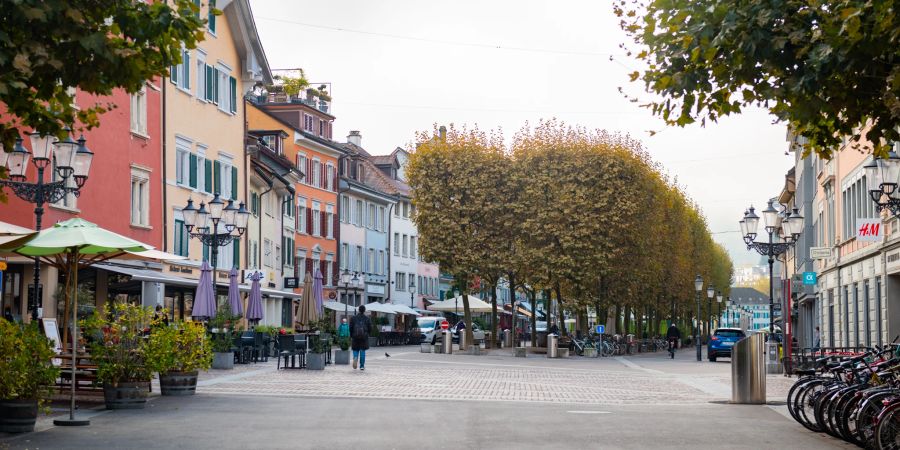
[397, 67]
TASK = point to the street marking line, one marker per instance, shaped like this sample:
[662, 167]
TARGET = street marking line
[588, 412]
[635, 366]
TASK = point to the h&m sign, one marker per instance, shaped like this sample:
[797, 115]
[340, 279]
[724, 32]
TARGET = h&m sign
[869, 230]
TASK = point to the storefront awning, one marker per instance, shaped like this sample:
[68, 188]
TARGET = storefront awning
[155, 276]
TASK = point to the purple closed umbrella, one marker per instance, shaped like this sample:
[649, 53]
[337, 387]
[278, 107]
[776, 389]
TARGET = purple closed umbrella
[254, 302]
[318, 295]
[234, 295]
[204, 298]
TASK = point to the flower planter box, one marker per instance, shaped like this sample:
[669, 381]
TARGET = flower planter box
[223, 361]
[126, 395]
[589, 352]
[425, 348]
[18, 416]
[342, 356]
[315, 361]
[178, 383]
[373, 341]
[520, 352]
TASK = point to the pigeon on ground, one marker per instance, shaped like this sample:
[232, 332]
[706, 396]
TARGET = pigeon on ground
[386, 355]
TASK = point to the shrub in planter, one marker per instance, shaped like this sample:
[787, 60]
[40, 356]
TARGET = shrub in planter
[221, 339]
[342, 356]
[25, 375]
[315, 360]
[120, 351]
[177, 352]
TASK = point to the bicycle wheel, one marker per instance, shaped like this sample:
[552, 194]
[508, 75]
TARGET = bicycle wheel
[807, 400]
[867, 415]
[793, 396]
[887, 432]
[846, 415]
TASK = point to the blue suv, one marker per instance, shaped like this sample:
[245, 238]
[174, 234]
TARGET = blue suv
[721, 342]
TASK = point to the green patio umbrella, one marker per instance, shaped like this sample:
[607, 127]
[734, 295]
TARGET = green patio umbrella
[68, 246]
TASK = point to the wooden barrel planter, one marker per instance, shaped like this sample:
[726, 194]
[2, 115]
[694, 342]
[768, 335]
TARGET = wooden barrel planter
[18, 416]
[126, 395]
[178, 383]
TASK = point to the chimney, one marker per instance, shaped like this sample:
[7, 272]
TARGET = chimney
[355, 138]
[442, 132]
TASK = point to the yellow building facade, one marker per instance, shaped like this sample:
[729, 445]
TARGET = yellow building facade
[204, 130]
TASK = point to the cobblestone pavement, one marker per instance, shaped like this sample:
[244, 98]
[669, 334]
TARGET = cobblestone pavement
[412, 375]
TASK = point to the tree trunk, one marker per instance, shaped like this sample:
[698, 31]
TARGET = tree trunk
[562, 315]
[533, 295]
[464, 291]
[619, 325]
[627, 320]
[493, 340]
[602, 314]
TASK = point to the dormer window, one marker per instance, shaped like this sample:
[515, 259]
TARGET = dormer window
[273, 142]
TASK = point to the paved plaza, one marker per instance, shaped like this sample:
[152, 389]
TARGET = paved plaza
[418, 400]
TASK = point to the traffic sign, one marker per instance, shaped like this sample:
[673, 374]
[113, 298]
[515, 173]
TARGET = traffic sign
[820, 252]
[601, 329]
[809, 278]
[445, 325]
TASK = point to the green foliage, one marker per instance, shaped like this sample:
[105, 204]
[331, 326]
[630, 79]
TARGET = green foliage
[565, 210]
[343, 342]
[179, 347]
[266, 329]
[324, 325]
[47, 47]
[317, 344]
[25, 368]
[829, 69]
[293, 86]
[223, 326]
[120, 347]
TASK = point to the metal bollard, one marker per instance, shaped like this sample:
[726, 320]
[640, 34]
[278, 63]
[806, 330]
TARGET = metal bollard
[748, 371]
[447, 341]
[552, 346]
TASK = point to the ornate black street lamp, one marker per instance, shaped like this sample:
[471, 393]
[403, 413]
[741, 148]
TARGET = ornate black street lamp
[70, 160]
[197, 222]
[718, 307]
[884, 173]
[349, 284]
[698, 286]
[412, 292]
[788, 226]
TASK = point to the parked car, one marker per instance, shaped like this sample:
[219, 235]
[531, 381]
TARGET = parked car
[430, 327]
[477, 332]
[721, 342]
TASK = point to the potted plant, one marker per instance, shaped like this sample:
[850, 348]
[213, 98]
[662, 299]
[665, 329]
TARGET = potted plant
[26, 377]
[177, 352]
[119, 349]
[221, 341]
[342, 356]
[315, 360]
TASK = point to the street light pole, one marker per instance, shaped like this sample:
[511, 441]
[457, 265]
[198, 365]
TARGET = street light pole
[69, 159]
[698, 286]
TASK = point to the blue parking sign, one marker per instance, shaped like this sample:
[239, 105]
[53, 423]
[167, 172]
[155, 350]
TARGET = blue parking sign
[601, 329]
[809, 278]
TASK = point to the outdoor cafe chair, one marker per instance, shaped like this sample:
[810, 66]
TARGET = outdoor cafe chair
[258, 348]
[287, 347]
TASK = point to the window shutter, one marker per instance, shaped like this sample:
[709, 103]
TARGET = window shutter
[323, 230]
[323, 266]
[309, 267]
[212, 17]
[173, 74]
[186, 64]
[208, 178]
[215, 92]
[336, 224]
[232, 82]
[234, 182]
[237, 253]
[208, 95]
[334, 271]
[309, 221]
[217, 178]
[309, 172]
[192, 180]
[321, 175]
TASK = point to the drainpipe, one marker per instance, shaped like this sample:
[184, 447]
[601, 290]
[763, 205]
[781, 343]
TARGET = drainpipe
[165, 207]
[388, 251]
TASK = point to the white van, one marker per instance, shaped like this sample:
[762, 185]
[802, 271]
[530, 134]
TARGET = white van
[430, 326]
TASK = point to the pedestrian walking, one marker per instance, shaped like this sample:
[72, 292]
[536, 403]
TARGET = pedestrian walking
[360, 328]
[344, 329]
[816, 339]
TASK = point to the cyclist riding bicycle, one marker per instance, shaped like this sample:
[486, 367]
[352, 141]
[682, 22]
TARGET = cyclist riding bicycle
[673, 335]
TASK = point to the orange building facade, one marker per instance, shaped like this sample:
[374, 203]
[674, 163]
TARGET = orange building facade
[311, 227]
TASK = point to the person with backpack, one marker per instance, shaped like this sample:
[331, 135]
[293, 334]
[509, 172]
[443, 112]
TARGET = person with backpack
[360, 328]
